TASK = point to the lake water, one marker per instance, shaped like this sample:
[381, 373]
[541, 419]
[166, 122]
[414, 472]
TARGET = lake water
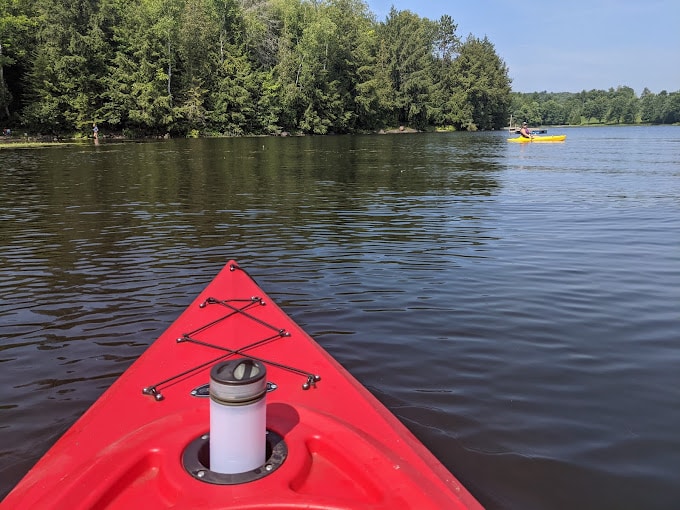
[516, 306]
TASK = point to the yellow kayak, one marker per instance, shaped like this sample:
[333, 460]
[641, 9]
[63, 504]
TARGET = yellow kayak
[552, 138]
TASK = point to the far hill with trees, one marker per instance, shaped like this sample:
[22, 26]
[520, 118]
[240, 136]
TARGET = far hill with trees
[613, 106]
[233, 67]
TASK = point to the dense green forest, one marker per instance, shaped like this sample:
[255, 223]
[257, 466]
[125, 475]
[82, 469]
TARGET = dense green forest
[231, 67]
[241, 66]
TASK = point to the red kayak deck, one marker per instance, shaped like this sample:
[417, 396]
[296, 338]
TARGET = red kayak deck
[342, 449]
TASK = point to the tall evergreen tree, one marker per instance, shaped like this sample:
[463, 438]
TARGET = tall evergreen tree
[481, 96]
[16, 20]
[446, 49]
[140, 79]
[70, 58]
[410, 42]
[349, 56]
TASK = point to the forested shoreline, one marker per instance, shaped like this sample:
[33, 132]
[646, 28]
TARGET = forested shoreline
[239, 67]
[613, 106]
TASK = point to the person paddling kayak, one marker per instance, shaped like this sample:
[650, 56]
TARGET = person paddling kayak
[525, 132]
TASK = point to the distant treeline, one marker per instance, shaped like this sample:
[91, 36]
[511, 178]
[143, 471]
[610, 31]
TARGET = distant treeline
[613, 106]
[210, 67]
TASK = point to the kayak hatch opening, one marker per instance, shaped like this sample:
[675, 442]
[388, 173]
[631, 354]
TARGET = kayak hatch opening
[196, 461]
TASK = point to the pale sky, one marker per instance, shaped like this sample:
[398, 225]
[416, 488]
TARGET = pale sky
[569, 46]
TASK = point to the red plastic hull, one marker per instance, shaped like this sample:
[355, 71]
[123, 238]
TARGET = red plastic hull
[345, 449]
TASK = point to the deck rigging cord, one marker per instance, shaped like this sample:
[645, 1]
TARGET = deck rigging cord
[311, 379]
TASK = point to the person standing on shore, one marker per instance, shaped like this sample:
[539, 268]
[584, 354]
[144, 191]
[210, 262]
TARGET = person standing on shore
[95, 132]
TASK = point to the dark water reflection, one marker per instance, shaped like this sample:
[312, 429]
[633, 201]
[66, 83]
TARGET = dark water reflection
[515, 306]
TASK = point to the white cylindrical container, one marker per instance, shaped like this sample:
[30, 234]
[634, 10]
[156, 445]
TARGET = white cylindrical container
[238, 428]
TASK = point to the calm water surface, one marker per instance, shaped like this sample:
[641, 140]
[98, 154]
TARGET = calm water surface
[517, 306]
